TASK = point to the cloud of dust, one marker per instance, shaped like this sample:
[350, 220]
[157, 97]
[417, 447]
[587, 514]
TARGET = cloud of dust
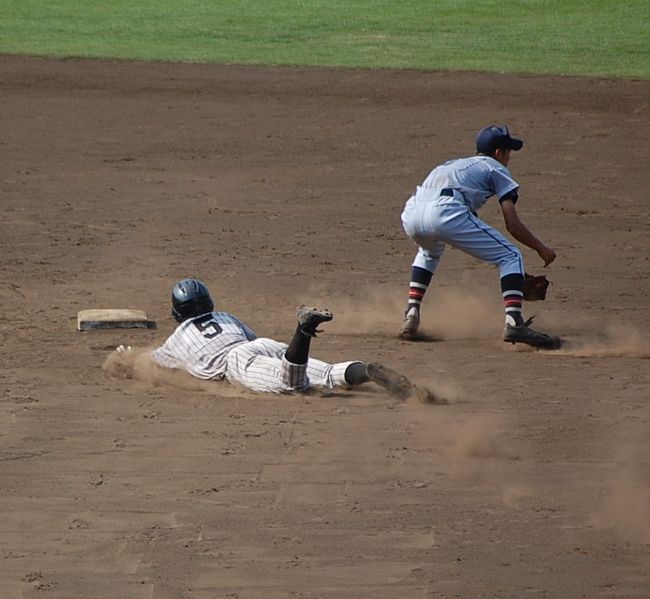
[457, 314]
[137, 364]
[625, 505]
[477, 449]
[512, 493]
[435, 392]
[494, 457]
[481, 437]
[447, 313]
[614, 340]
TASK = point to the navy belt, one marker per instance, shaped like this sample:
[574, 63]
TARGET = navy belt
[447, 192]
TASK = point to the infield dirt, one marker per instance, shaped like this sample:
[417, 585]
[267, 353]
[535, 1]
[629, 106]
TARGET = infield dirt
[278, 187]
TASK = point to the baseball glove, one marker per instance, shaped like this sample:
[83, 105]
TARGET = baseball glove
[535, 287]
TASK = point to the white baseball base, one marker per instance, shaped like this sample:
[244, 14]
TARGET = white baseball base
[113, 318]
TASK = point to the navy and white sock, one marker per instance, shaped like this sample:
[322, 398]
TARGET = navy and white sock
[512, 288]
[420, 281]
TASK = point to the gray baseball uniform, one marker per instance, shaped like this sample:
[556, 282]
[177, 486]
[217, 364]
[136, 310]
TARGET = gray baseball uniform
[442, 211]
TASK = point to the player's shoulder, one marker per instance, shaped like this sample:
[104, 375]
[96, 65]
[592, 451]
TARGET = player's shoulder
[222, 315]
[227, 318]
[474, 159]
[469, 164]
[484, 160]
[492, 164]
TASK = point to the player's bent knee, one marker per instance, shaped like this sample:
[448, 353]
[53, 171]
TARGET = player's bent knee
[512, 263]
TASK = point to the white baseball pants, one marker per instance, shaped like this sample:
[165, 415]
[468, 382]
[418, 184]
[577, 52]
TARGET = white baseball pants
[260, 365]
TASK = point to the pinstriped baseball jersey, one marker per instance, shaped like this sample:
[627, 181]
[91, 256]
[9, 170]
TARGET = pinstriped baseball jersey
[217, 345]
[200, 345]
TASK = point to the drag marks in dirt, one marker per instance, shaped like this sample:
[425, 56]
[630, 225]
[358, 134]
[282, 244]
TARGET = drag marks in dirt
[137, 364]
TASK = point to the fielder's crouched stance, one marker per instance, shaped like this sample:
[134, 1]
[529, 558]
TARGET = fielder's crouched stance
[217, 345]
[442, 211]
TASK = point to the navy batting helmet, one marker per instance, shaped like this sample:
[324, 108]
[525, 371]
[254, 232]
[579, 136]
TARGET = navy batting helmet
[190, 297]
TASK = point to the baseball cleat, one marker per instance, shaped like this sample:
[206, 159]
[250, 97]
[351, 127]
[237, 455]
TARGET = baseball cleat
[310, 318]
[395, 383]
[523, 334]
[410, 326]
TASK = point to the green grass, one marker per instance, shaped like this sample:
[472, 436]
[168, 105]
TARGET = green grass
[568, 37]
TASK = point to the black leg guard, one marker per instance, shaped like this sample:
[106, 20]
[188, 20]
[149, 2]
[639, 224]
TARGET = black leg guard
[356, 373]
[298, 350]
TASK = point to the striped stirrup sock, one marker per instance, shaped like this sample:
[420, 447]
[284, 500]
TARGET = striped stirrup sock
[420, 280]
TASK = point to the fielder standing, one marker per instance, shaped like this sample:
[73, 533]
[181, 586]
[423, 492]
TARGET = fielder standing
[442, 211]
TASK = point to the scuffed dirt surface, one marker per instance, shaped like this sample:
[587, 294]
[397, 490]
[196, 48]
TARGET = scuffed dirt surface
[519, 474]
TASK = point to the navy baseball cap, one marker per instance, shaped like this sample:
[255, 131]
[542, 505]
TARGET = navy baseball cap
[493, 137]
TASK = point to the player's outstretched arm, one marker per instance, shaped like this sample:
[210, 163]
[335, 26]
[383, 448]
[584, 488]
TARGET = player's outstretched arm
[521, 233]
